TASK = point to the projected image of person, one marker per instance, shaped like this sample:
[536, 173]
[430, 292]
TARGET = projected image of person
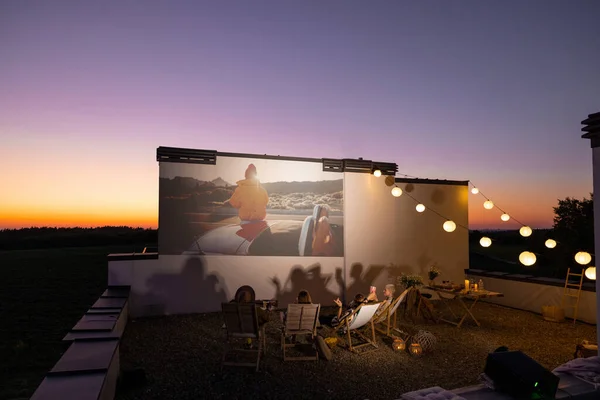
[323, 243]
[250, 198]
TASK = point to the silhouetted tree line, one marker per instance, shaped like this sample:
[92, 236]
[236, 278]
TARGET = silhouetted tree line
[46, 237]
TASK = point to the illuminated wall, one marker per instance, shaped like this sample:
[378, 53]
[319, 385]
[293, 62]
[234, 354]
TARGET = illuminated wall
[386, 236]
[208, 247]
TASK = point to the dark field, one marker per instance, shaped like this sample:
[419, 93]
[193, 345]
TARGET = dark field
[45, 292]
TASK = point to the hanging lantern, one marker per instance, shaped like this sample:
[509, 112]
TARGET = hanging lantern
[474, 190]
[416, 350]
[527, 258]
[485, 241]
[583, 258]
[505, 217]
[488, 204]
[377, 173]
[449, 226]
[550, 243]
[398, 344]
[590, 273]
[420, 207]
[396, 192]
[525, 231]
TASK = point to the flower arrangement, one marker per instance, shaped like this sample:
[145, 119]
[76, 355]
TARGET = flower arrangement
[433, 273]
[410, 280]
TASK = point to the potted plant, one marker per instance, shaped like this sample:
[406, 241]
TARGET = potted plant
[410, 281]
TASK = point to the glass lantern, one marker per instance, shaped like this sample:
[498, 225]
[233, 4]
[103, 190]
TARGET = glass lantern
[398, 344]
[416, 349]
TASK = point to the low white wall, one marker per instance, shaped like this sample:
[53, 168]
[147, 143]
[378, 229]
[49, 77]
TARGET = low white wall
[532, 296]
[194, 284]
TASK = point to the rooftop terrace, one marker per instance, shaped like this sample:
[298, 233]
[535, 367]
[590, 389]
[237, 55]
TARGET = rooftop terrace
[181, 357]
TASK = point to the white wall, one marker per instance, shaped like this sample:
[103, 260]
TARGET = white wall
[381, 229]
[194, 284]
[532, 296]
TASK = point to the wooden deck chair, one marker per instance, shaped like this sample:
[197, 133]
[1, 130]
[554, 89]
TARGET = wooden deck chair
[301, 319]
[241, 322]
[361, 317]
[385, 317]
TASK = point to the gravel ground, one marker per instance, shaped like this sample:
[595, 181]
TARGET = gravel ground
[181, 356]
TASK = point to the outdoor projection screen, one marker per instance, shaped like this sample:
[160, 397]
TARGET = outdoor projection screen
[250, 207]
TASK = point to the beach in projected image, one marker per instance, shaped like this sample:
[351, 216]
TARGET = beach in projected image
[250, 207]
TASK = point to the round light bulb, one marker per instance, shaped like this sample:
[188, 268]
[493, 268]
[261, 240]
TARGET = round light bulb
[505, 217]
[420, 207]
[527, 258]
[377, 173]
[525, 231]
[583, 258]
[590, 273]
[474, 190]
[449, 226]
[396, 192]
[485, 241]
[488, 204]
[550, 243]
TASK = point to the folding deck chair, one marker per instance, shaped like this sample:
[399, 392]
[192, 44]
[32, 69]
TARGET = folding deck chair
[301, 319]
[241, 322]
[361, 317]
[385, 318]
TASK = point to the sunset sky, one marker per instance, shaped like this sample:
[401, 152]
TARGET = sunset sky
[487, 91]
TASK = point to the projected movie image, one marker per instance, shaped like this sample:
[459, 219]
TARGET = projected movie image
[250, 207]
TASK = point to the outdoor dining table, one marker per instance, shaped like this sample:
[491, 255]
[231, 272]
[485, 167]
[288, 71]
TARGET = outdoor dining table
[460, 296]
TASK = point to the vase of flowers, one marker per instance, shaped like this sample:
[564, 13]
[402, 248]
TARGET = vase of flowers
[433, 273]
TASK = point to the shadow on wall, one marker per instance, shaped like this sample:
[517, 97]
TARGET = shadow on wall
[190, 291]
[361, 280]
[311, 279]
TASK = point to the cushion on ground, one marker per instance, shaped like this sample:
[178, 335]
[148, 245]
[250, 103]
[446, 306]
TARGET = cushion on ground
[432, 393]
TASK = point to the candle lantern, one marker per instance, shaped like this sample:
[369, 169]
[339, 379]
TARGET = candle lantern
[399, 344]
[416, 350]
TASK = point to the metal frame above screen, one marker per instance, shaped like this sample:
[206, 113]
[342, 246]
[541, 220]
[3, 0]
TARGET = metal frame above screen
[193, 156]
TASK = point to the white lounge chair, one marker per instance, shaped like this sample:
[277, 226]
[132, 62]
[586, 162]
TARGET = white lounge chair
[361, 317]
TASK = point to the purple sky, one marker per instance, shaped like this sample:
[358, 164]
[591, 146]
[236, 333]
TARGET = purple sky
[491, 91]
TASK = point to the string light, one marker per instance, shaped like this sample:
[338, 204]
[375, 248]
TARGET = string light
[583, 258]
[377, 173]
[525, 231]
[449, 226]
[485, 241]
[590, 273]
[396, 191]
[527, 258]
